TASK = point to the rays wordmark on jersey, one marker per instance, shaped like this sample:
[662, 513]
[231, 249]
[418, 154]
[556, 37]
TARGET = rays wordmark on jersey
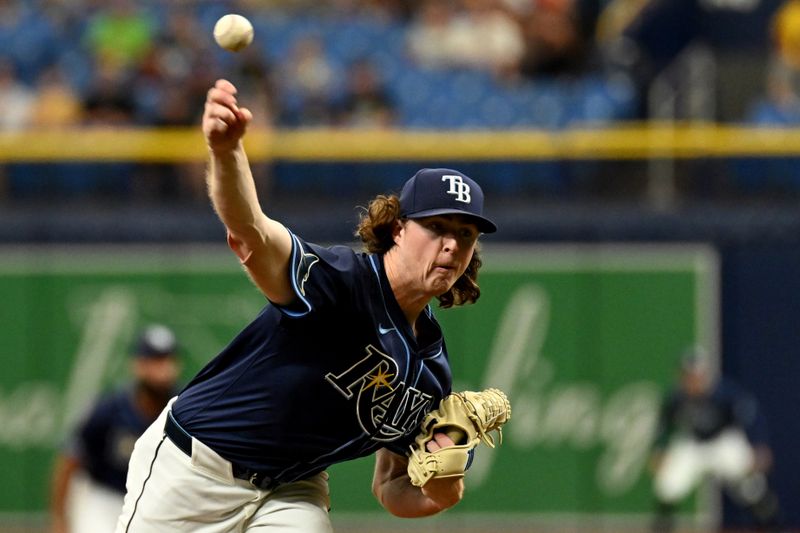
[386, 409]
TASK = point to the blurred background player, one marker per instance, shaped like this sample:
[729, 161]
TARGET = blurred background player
[90, 472]
[710, 427]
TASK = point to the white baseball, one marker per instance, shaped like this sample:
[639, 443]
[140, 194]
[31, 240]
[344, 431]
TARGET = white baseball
[233, 32]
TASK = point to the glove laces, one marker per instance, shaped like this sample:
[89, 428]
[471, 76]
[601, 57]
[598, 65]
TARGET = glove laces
[489, 410]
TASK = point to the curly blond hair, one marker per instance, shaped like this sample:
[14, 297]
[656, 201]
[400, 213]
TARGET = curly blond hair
[375, 231]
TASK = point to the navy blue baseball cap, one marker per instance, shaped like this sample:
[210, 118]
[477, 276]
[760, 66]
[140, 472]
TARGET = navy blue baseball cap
[155, 340]
[442, 191]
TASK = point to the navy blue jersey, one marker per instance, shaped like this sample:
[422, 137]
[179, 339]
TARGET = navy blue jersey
[104, 441]
[336, 376]
[704, 417]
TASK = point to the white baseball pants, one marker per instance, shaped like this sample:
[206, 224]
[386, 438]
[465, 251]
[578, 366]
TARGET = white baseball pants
[728, 457]
[169, 491]
[92, 506]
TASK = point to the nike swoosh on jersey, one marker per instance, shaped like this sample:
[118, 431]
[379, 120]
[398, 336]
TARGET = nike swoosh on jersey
[383, 331]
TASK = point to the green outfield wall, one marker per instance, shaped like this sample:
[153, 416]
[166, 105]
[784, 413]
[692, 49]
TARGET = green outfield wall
[584, 339]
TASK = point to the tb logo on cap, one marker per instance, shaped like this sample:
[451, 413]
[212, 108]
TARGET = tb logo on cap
[458, 188]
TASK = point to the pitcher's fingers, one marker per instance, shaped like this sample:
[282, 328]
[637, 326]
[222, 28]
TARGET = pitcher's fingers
[223, 113]
[220, 120]
[244, 114]
[215, 127]
[443, 440]
[226, 86]
[432, 446]
[222, 97]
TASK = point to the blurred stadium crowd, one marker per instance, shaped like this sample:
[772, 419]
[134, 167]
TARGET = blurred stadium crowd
[421, 63]
[418, 64]
[432, 63]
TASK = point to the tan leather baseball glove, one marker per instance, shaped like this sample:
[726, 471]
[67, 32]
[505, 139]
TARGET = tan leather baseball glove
[467, 418]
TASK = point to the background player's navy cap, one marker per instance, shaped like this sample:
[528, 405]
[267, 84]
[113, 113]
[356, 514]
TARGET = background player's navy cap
[156, 340]
[442, 191]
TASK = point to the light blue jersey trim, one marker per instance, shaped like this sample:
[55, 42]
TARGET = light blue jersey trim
[294, 271]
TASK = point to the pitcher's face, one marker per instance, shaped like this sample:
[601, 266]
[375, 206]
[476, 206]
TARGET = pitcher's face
[436, 250]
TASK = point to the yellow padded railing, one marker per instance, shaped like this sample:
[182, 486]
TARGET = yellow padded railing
[625, 142]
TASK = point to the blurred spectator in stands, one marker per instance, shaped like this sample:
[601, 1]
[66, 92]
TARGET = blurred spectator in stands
[560, 37]
[16, 99]
[166, 95]
[67, 16]
[120, 33]
[500, 46]
[56, 103]
[780, 106]
[710, 427]
[428, 35]
[395, 9]
[308, 84]
[374, 9]
[27, 38]
[478, 35]
[179, 61]
[729, 36]
[256, 81]
[366, 102]
[108, 101]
